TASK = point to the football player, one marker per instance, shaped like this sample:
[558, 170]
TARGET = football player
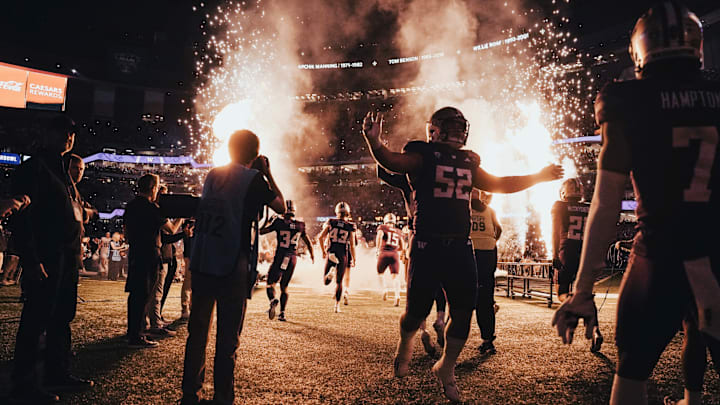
[401, 182]
[485, 230]
[389, 242]
[569, 215]
[442, 175]
[288, 232]
[340, 255]
[662, 131]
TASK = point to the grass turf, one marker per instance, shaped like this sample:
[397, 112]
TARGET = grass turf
[321, 357]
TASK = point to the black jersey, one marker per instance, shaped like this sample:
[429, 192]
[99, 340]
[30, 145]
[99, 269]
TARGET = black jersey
[442, 189]
[569, 219]
[288, 232]
[672, 123]
[340, 234]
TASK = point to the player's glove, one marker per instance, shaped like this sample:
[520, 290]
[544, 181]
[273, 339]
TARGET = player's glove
[576, 307]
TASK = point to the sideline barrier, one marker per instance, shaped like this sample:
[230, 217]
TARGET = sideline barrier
[529, 280]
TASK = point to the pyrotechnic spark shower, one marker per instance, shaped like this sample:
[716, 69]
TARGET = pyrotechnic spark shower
[523, 95]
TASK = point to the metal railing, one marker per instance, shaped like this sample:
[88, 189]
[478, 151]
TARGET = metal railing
[529, 280]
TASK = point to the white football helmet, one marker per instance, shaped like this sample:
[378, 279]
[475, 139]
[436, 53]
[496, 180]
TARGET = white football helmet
[342, 209]
[390, 218]
[668, 30]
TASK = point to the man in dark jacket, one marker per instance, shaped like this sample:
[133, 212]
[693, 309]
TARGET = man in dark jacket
[47, 236]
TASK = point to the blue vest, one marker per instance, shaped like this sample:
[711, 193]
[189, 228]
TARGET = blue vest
[219, 235]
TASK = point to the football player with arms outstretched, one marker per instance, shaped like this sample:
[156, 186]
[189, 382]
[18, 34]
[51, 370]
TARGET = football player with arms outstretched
[662, 131]
[442, 175]
[389, 244]
[288, 231]
[340, 254]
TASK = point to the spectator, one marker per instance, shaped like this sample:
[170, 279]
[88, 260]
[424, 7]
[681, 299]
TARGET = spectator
[169, 265]
[117, 247]
[47, 235]
[186, 291]
[232, 197]
[104, 251]
[143, 223]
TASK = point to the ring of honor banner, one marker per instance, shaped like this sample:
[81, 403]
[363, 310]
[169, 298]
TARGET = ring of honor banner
[27, 88]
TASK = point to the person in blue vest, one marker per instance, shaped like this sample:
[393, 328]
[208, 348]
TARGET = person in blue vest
[232, 198]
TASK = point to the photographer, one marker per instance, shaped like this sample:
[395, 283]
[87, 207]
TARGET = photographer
[47, 236]
[143, 223]
[233, 195]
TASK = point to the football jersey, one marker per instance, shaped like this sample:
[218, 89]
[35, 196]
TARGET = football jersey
[672, 133]
[442, 189]
[340, 234]
[482, 229]
[288, 232]
[391, 238]
[571, 217]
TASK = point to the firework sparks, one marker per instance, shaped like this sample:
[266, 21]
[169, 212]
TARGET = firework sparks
[518, 97]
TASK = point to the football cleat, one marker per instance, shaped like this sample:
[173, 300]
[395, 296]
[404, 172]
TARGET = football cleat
[281, 317]
[427, 344]
[439, 327]
[271, 311]
[487, 347]
[397, 301]
[346, 298]
[597, 340]
[337, 308]
[330, 276]
[385, 295]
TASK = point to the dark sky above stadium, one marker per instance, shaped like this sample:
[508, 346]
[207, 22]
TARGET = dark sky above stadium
[78, 34]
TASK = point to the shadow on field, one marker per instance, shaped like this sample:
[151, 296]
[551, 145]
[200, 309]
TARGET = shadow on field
[89, 361]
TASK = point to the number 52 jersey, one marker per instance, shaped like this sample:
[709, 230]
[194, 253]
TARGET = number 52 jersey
[442, 189]
[672, 133]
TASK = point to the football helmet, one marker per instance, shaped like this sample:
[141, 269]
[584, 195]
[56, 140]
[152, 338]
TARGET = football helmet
[668, 30]
[570, 188]
[342, 209]
[389, 218]
[448, 125]
[289, 207]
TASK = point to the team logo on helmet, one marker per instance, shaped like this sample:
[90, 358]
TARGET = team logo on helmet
[448, 125]
[342, 208]
[389, 218]
[667, 30]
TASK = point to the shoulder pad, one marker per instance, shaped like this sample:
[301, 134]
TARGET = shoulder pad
[416, 146]
[615, 101]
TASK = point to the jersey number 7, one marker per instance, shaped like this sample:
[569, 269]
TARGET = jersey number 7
[698, 191]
